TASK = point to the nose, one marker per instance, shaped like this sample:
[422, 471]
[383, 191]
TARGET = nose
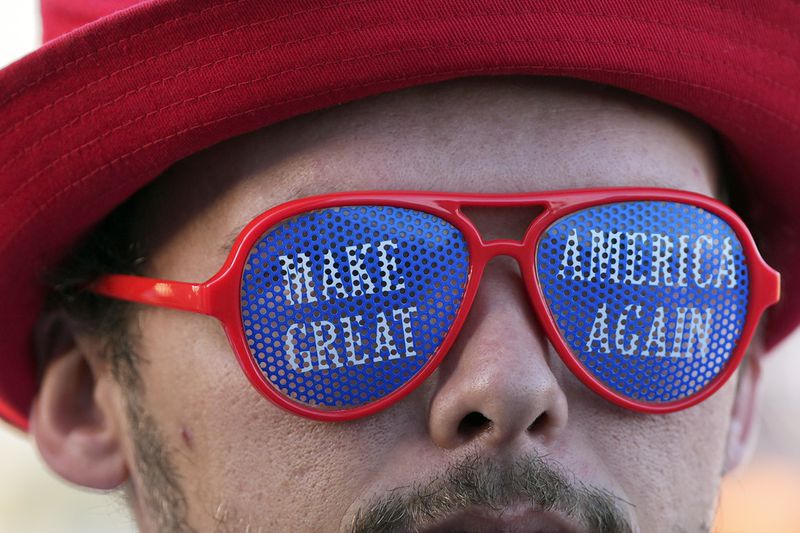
[496, 384]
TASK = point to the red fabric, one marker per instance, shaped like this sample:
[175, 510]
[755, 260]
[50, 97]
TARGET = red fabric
[62, 16]
[94, 115]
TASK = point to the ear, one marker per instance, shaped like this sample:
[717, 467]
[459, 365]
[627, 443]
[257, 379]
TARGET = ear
[76, 416]
[743, 430]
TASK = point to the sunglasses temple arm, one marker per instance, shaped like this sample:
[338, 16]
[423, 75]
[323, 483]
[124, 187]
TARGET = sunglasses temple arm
[178, 295]
[774, 286]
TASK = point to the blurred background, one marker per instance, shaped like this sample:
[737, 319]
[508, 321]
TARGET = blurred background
[763, 497]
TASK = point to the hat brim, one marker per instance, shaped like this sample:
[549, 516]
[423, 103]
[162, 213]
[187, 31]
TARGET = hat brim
[93, 116]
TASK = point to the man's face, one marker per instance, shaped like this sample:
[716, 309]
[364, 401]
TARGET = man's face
[501, 411]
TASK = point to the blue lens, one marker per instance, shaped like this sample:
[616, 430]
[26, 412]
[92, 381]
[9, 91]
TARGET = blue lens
[342, 306]
[650, 296]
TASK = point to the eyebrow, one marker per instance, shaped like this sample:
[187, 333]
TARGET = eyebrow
[230, 240]
[302, 190]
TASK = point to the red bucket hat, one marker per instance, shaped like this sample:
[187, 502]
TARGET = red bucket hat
[123, 89]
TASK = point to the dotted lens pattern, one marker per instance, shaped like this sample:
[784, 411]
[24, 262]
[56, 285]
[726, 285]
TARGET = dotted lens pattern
[342, 306]
[649, 296]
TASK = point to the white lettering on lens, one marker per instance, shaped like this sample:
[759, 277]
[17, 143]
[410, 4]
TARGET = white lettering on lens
[691, 332]
[405, 320]
[300, 273]
[696, 255]
[634, 258]
[292, 351]
[662, 253]
[331, 280]
[657, 336]
[297, 285]
[359, 277]
[677, 343]
[571, 259]
[699, 332]
[388, 265]
[683, 259]
[352, 340]
[347, 333]
[605, 255]
[619, 338]
[383, 339]
[728, 266]
[599, 333]
[324, 336]
[703, 259]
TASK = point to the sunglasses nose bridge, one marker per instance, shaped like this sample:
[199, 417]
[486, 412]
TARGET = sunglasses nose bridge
[507, 247]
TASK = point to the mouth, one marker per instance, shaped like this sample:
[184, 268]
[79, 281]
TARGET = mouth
[514, 519]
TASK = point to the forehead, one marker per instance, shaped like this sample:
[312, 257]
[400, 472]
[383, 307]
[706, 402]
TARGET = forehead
[476, 135]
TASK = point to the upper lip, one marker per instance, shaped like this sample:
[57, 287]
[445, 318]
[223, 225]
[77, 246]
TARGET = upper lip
[522, 518]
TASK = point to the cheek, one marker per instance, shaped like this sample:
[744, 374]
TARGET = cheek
[237, 454]
[668, 466]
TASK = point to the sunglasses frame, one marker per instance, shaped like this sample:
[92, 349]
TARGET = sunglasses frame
[220, 295]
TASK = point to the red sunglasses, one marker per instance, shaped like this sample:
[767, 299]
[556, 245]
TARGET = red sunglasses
[337, 306]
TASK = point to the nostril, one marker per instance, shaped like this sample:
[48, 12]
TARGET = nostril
[472, 424]
[539, 424]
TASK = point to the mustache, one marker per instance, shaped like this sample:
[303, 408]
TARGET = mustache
[482, 482]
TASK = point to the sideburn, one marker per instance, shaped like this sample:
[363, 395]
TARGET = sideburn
[158, 493]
